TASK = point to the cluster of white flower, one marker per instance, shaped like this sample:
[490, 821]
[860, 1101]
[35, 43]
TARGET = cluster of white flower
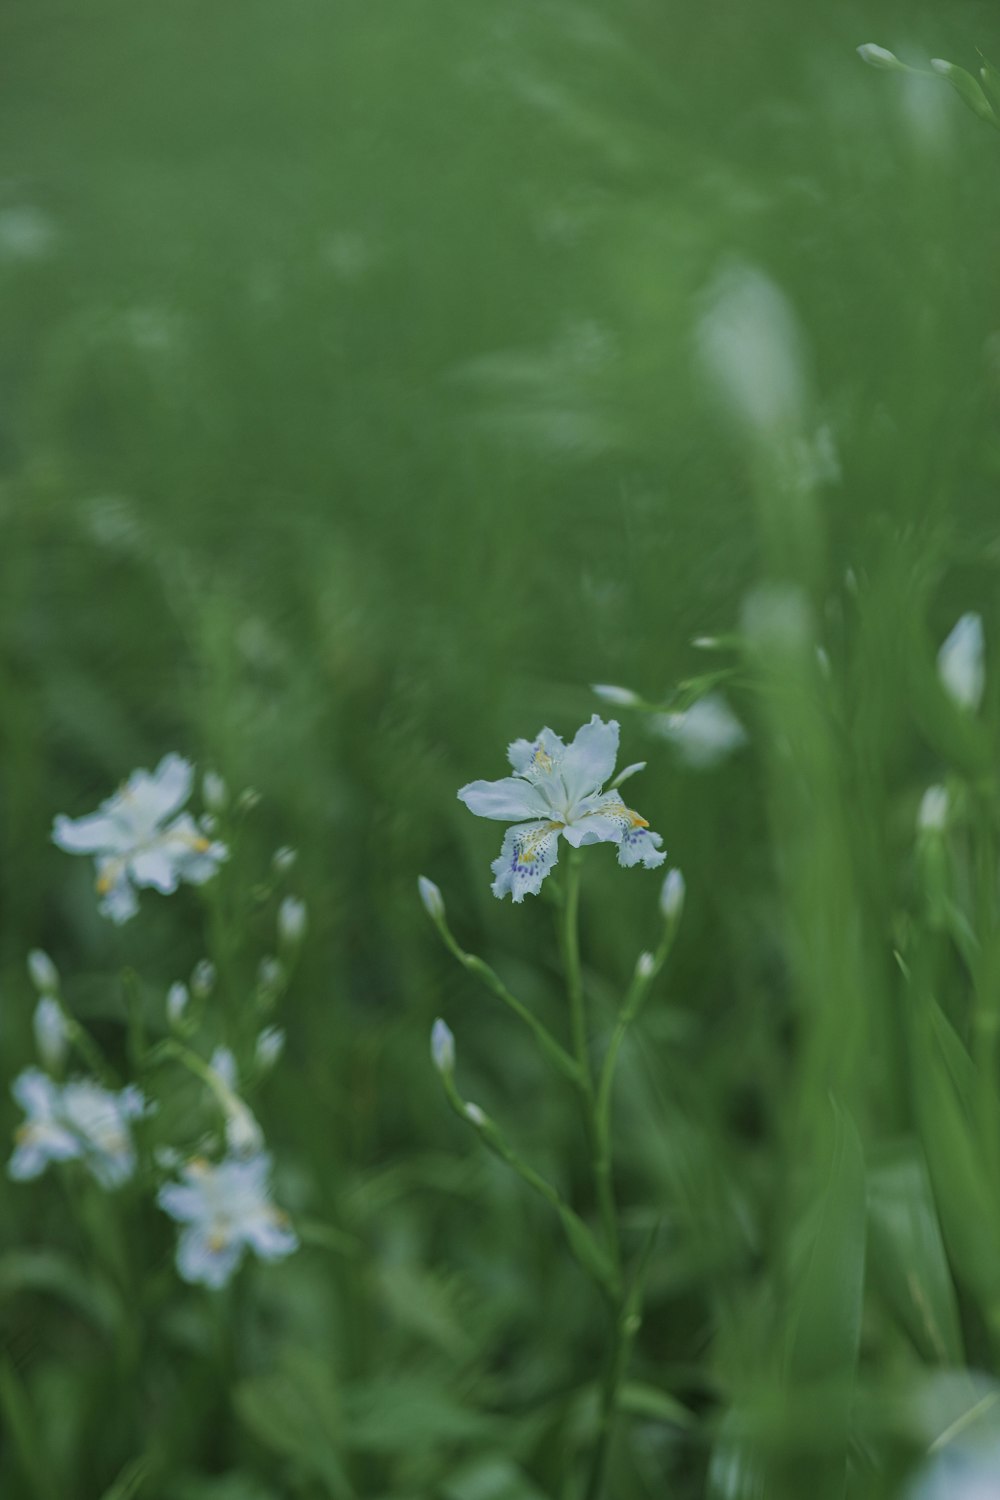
[139, 838]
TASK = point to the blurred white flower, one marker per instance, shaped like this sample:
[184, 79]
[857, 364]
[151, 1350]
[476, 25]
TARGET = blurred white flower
[751, 349]
[933, 814]
[474, 1114]
[645, 966]
[137, 840]
[293, 919]
[960, 1471]
[49, 1026]
[961, 665]
[76, 1120]
[226, 1209]
[704, 734]
[431, 897]
[178, 999]
[270, 1046]
[559, 788]
[621, 697]
[43, 973]
[672, 895]
[442, 1047]
[223, 1065]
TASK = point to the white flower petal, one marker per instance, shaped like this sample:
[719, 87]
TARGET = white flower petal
[154, 867]
[96, 832]
[590, 759]
[207, 1260]
[535, 757]
[640, 846]
[118, 899]
[527, 855]
[506, 801]
[271, 1237]
[166, 790]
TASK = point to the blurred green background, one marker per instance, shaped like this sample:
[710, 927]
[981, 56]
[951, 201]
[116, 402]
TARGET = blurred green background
[350, 426]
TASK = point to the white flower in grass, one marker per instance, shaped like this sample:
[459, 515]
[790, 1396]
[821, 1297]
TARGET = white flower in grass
[270, 1046]
[139, 837]
[226, 1209]
[43, 973]
[557, 792]
[704, 734]
[243, 1134]
[293, 919]
[76, 1120]
[960, 662]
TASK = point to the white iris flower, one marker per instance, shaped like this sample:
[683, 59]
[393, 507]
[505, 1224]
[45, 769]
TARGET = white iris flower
[226, 1209]
[76, 1120]
[556, 791]
[139, 837]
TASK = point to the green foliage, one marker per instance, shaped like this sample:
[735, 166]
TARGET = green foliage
[356, 416]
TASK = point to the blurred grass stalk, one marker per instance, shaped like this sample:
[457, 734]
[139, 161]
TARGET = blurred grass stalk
[753, 350]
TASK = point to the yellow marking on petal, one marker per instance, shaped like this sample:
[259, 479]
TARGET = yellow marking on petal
[636, 821]
[217, 1240]
[104, 883]
[542, 759]
[198, 1164]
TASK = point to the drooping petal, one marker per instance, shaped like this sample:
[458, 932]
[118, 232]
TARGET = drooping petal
[506, 801]
[207, 1259]
[154, 867]
[640, 846]
[96, 833]
[590, 759]
[527, 855]
[271, 1236]
[36, 1093]
[118, 898]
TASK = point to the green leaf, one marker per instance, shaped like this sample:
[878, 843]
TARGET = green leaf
[967, 89]
[491, 1478]
[26, 1438]
[295, 1411]
[652, 1404]
[89, 1294]
[906, 1253]
[129, 1482]
[406, 1414]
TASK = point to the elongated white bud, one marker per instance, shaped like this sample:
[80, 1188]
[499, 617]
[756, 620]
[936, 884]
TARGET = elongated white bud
[672, 895]
[203, 979]
[293, 919]
[880, 57]
[432, 898]
[961, 664]
[621, 697]
[215, 792]
[443, 1047]
[270, 1046]
[178, 999]
[933, 814]
[43, 972]
[645, 964]
[283, 859]
[49, 1025]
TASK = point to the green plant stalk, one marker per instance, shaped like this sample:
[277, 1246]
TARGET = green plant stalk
[600, 1160]
[986, 1016]
[626, 1325]
[553, 1050]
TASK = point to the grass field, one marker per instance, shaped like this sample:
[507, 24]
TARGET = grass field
[376, 378]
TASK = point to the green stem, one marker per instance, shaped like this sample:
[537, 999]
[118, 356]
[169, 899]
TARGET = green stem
[600, 1159]
[986, 1017]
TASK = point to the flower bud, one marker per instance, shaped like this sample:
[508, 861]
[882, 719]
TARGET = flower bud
[879, 57]
[215, 792]
[621, 697]
[247, 800]
[243, 1134]
[443, 1048]
[672, 896]
[43, 972]
[292, 921]
[223, 1063]
[474, 1114]
[49, 1025]
[432, 898]
[270, 976]
[645, 966]
[203, 979]
[270, 1046]
[933, 814]
[283, 859]
[178, 999]
[960, 663]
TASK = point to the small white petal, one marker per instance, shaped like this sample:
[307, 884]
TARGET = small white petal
[505, 801]
[589, 761]
[526, 856]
